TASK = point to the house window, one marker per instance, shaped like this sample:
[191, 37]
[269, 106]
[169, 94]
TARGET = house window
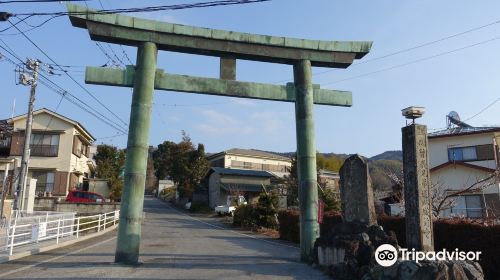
[79, 148]
[469, 206]
[471, 153]
[236, 164]
[44, 183]
[44, 145]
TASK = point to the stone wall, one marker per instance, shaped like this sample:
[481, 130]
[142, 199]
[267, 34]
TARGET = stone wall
[54, 204]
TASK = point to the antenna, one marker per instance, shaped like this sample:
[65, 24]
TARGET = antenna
[13, 108]
[454, 119]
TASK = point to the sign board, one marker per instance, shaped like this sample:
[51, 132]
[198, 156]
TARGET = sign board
[117, 215]
[34, 232]
[38, 231]
[42, 229]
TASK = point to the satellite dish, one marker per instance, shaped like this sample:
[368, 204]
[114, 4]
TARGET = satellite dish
[454, 118]
[454, 115]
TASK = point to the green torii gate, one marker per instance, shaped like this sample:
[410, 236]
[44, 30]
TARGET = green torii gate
[150, 36]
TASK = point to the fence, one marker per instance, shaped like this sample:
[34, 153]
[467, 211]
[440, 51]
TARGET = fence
[25, 229]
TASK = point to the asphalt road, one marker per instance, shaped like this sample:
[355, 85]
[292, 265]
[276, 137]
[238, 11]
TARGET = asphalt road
[174, 246]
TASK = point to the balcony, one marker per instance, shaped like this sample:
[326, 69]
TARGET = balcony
[44, 150]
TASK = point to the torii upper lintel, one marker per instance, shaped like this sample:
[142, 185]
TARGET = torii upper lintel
[120, 29]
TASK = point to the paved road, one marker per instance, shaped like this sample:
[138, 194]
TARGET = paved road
[174, 246]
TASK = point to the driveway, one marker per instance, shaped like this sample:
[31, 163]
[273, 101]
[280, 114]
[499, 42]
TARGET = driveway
[174, 246]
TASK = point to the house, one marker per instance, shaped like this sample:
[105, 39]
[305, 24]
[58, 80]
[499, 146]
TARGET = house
[59, 152]
[228, 181]
[243, 172]
[252, 160]
[459, 156]
[329, 180]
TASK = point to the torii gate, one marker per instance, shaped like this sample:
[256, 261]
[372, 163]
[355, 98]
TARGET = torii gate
[150, 36]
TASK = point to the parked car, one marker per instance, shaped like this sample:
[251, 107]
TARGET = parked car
[83, 196]
[232, 202]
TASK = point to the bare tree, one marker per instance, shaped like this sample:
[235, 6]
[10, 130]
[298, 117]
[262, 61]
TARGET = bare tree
[443, 198]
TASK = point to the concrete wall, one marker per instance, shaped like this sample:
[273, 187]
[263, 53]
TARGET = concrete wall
[53, 204]
[213, 190]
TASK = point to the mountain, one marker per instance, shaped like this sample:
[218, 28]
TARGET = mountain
[388, 155]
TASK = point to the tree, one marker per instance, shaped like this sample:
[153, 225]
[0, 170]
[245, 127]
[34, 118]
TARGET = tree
[182, 163]
[328, 196]
[443, 198]
[110, 161]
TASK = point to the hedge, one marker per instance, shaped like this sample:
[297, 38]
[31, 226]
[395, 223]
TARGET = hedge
[448, 234]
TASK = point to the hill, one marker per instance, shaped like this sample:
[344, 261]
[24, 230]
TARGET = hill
[388, 155]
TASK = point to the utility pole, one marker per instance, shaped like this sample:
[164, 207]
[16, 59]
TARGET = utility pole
[25, 79]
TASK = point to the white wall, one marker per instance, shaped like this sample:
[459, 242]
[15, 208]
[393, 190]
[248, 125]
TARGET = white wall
[457, 177]
[438, 148]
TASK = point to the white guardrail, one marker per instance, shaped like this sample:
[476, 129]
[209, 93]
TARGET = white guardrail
[32, 228]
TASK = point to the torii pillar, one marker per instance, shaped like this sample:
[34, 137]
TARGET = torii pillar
[129, 230]
[150, 36]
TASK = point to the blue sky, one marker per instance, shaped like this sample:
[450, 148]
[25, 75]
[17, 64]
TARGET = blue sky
[465, 81]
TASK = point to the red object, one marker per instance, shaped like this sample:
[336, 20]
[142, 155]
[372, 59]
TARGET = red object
[83, 196]
[321, 211]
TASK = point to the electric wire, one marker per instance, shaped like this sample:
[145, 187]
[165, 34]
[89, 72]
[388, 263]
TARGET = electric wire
[413, 61]
[357, 63]
[150, 8]
[39, 1]
[59, 90]
[71, 77]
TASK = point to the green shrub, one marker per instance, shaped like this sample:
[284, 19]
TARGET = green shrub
[245, 216]
[332, 202]
[199, 207]
[266, 211]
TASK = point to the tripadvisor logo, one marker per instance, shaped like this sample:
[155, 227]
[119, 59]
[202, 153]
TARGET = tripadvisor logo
[387, 255]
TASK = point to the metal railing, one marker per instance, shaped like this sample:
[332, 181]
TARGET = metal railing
[23, 230]
[44, 150]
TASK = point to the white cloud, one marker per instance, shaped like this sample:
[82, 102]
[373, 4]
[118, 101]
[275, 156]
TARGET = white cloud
[217, 123]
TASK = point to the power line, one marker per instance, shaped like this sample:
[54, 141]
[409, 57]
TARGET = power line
[357, 63]
[121, 47]
[109, 137]
[484, 109]
[151, 8]
[39, 1]
[101, 48]
[33, 27]
[57, 89]
[413, 62]
[71, 77]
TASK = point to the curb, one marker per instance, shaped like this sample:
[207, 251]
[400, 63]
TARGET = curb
[55, 246]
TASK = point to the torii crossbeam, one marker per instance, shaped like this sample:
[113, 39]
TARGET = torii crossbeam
[150, 36]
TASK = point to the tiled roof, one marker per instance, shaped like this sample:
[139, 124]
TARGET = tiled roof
[242, 172]
[456, 131]
[251, 152]
[244, 187]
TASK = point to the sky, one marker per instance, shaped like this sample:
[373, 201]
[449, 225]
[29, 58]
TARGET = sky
[459, 73]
